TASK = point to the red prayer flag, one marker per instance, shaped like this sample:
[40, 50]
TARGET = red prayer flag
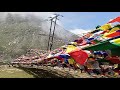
[114, 59]
[114, 34]
[79, 56]
[58, 57]
[115, 20]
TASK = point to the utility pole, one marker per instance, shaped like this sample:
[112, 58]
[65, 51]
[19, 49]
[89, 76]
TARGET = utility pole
[50, 32]
[50, 41]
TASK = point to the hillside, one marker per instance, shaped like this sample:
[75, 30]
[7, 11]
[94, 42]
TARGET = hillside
[18, 34]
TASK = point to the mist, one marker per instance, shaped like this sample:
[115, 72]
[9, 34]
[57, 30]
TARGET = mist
[38, 14]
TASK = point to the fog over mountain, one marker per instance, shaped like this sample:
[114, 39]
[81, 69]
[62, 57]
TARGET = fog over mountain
[22, 31]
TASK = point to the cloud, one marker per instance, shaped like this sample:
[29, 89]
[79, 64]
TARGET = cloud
[110, 19]
[43, 15]
[38, 14]
[79, 31]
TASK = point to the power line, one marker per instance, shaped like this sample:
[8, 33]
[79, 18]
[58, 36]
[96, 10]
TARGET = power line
[50, 32]
[50, 41]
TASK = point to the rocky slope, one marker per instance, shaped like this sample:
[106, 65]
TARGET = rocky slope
[18, 34]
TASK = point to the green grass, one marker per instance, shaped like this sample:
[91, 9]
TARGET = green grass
[11, 72]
